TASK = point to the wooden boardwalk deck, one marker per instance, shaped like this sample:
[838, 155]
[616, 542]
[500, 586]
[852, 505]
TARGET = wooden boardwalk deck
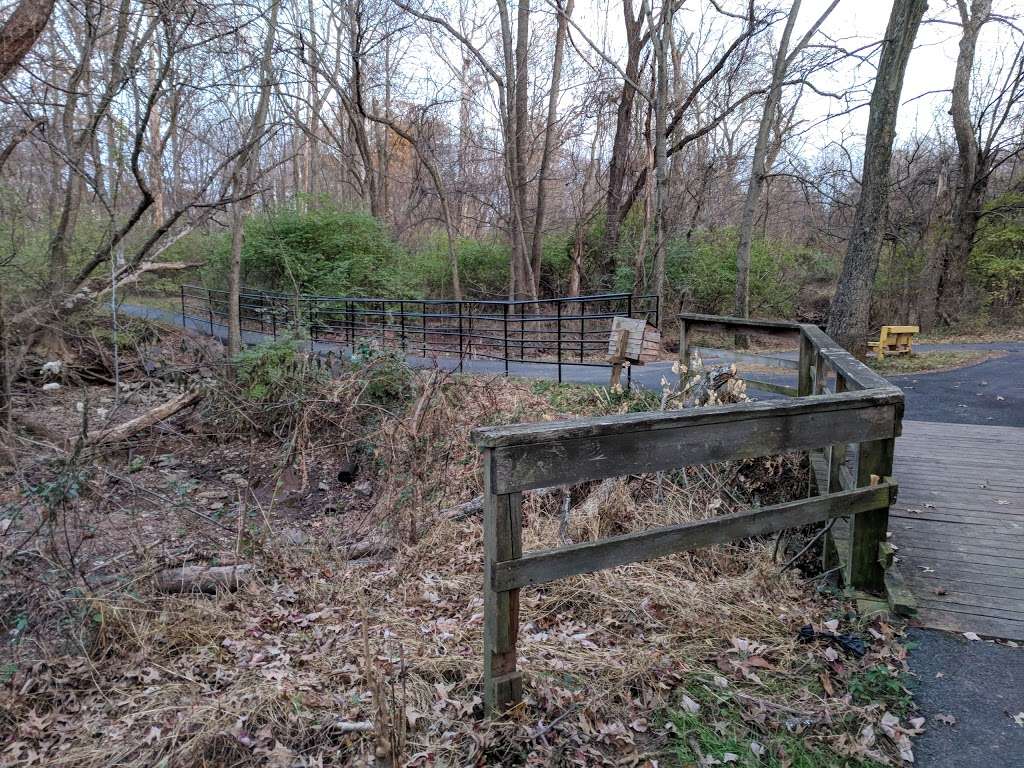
[959, 525]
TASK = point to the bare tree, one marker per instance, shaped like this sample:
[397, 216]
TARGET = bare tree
[784, 59]
[850, 311]
[244, 180]
[988, 132]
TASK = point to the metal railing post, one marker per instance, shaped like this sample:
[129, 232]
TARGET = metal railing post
[522, 332]
[423, 317]
[558, 326]
[583, 326]
[459, 310]
[183, 323]
[505, 334]
[209, 307]
[401, 316]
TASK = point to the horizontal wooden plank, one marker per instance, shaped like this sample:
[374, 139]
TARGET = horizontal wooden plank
[598, 426]
[769, 386]
[1012, 592]
[723, 324]
[549, 565]
[975, 608]
[901, 328]
[953, 621]
[560, 453]
[730, 356]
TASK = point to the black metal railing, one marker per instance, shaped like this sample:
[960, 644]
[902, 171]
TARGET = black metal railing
[559, 331]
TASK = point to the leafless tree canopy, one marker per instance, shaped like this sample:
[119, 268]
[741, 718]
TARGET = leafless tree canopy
[600, 144]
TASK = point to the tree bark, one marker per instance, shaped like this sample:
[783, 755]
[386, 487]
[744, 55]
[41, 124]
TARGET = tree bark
[620, 144]
[550, 134]
[245, 177]
[20, 32]
[972, 166]
[662, 43]
[850, 311]
[148, 419]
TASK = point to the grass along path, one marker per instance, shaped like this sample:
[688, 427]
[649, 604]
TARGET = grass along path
[931, 361]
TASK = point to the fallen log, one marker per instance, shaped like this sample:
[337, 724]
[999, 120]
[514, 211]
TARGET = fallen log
[207, 579]
[466, 509]
[475, 506]
[364, 549]
[147, 419]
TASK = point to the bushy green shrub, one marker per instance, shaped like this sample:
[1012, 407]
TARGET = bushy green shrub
[387, 375]
[483, 266]
[997, 261]
[702, 272]
[323, 250]
[275, 371]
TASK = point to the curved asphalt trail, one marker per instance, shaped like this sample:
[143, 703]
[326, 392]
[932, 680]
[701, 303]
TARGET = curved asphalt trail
[981, 684]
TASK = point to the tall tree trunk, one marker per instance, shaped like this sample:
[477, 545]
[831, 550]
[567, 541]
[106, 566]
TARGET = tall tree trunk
[661, 46]
[620, 144]
[765, 151]
[465, 103]
[156, 173]
[972, 170]
[550, 134]
[521, 110]
[851, 306]
[245, 178]
[759, 169]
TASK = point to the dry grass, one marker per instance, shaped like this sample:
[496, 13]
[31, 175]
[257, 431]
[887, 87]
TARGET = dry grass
[323, 660]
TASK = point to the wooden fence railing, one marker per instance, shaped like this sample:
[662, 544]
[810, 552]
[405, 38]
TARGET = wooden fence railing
[843, 403]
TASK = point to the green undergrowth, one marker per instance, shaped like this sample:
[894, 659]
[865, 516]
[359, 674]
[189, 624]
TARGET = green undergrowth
[727, 731]
[584, 398]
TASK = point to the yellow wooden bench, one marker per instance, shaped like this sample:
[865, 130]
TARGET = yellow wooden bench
[894, 340]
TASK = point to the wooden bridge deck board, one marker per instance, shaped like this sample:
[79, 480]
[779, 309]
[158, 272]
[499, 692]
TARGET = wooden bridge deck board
[959, 525]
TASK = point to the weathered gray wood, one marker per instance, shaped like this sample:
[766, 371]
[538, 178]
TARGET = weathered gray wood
[868, 530]
[766, 361]
[684, 351]
[542, 433]
[770, 386]
[561, 453]
[723, 324]
[962, 552]
[503, 685]
[804, 364]
[541, 567]
[858, 376]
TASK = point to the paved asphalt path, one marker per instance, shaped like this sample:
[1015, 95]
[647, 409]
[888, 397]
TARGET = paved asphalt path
[979, 683]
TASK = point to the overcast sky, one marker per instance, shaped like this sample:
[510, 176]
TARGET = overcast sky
[854, 23]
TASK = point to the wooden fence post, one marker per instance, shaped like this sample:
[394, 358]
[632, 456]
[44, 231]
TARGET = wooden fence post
[684, 357]
[503, 540]
[804, 370]
[868, 529]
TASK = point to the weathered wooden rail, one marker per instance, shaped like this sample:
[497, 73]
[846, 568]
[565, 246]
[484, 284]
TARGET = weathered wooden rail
[841, 403]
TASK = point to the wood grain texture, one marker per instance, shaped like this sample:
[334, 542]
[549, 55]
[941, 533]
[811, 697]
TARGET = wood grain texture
[693, 438]
[959, 525]
[541, 567]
